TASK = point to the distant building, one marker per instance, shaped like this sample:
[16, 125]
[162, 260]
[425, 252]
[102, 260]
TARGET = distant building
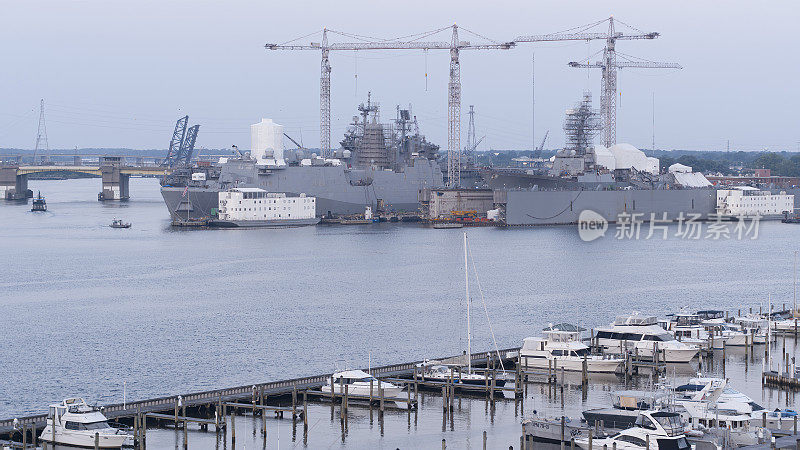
[756, 179]
[762, 172]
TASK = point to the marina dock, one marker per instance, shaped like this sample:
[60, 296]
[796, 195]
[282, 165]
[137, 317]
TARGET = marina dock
[211, 407]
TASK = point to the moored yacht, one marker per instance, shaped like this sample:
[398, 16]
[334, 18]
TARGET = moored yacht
[561, 347]
[360, 383]
[654, 430]
[725, 333]
[716, 394]
[687, 328]
[453, 374]
[74, 423]
[642, 336]
[755, 326]
[625, 408]
[786, 326]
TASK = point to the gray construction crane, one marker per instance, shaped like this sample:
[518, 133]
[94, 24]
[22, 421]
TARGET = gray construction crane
[453, 88]
[609, 65]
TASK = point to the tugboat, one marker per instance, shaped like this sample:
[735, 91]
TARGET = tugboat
[118, 223]
[38, 203]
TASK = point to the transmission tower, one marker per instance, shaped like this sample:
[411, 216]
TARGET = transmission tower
[41, 136]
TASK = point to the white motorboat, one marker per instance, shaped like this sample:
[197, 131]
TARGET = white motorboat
[561, 347]
[715, 394]
[725, 333]
[360, 383]
[687, 328]
[654, 430]
[452, 373]
[786, 325]
[642, 336]
[625, 408]
[754, 325]
[74, 423]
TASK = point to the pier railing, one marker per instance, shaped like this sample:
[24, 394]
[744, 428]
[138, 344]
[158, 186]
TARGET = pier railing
[272, 388]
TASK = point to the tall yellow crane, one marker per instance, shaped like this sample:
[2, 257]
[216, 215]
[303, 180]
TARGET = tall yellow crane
[414, 42]
[609, 65]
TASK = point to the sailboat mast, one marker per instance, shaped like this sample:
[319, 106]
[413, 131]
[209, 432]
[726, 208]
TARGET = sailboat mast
[469, 328]
[769, 331]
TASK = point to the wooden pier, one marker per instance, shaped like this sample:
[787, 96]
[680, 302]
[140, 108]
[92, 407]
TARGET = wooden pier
[212, 407]
[780, 380]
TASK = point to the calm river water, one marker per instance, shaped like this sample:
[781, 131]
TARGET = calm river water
[93, 311]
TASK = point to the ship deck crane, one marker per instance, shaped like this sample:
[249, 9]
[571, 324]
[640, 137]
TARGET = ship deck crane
[453, 88]
[609, 65]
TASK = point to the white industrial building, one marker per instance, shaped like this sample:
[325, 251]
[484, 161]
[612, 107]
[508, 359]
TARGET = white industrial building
[748, 201]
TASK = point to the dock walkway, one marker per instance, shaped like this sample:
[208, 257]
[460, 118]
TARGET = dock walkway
[207, 400]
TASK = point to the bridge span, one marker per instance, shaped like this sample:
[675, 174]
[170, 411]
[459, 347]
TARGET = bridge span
[113, 171]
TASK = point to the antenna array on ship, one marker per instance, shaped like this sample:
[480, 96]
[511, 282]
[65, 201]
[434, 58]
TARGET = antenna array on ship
[413, 42]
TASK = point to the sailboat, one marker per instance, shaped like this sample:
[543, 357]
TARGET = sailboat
[437, 371]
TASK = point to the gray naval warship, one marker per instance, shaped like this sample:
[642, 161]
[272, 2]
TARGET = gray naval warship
[584, 176]
[382, 165]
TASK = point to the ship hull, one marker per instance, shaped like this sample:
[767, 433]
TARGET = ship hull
[263, 223]
[338, 190]
[564, 207]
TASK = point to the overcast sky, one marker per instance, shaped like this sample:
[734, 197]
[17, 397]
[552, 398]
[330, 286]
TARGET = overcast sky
[118, 74]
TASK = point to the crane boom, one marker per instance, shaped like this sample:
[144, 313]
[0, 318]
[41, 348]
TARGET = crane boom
[628, 64]
[453, 90]
[583, 37]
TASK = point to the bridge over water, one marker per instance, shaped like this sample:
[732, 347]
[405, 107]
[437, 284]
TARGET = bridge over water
[114, 171]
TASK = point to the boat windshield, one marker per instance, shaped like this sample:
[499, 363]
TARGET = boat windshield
[582, 352]
[671, 423]
[367, 379]
[674, 444]
[660, 337]
[86, 426]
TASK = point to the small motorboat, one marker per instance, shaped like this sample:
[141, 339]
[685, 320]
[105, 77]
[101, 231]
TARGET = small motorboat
[453, 373]
[74, 423]
[39, 204]
[359, 383]
[118, 223]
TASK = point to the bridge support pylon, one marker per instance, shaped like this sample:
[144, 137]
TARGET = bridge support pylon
[115, 184]
[13, 186]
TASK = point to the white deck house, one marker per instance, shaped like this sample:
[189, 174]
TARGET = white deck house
[748, 201]
[240, 204]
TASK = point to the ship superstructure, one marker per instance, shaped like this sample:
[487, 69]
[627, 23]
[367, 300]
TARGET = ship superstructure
[382, 165]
